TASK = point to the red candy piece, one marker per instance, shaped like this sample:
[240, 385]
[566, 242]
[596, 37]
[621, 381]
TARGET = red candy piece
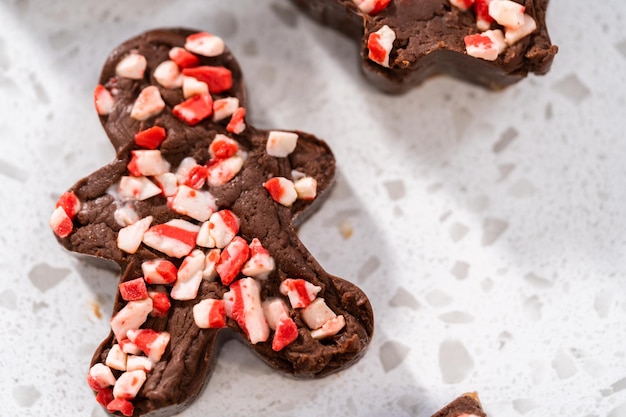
[151, 342]
[183, 58]
[219, 79]
[150, 138]
[286, 332]
[237, 124]
[377, 52]
[194, 109]
[61, 223]
[70, 204]
[196, 177]
[379, 5]
[234, 255]
[103, 100]
[105, 396]
[481, 9]
[160, 304]
[123, 406]
[134, 289]
[217, 315]
[478, 40]
[223, 147]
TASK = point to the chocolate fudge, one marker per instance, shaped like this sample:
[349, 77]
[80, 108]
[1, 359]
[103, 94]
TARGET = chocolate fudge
[467, 405]
[404, 42]
[198, 210]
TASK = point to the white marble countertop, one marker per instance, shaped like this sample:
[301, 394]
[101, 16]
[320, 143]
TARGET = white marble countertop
[487, 228]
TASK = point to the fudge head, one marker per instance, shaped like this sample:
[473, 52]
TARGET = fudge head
[198, 211]
[492, 43]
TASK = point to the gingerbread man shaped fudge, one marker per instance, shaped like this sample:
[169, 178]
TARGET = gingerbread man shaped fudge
[492, 43]
[198, 211]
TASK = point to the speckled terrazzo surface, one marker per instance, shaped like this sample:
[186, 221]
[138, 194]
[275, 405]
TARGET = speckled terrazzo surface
[487, 228]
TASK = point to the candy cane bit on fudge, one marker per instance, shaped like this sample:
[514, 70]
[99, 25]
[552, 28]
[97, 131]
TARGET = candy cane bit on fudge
[194, 211]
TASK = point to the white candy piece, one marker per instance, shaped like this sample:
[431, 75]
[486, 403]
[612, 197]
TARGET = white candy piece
[529, 25]
[149, 103]
[274, 310]
[281, 144]
[287, 194]
[488, 45]
[152, 271]
[507, 13]
[204, 238]
[149, 162]
[223, 226]
[383, 38]
[246, 293]
[167, 182]
[306, 188]
[464, 5]
[131, 66]
[198, 205]
[116, 358]
[128, 384]
[317, 313]
[168, 74]
[139, 363]
[330, 328]
[224, 107]
[299, 291]
[193, 87]
[189, 277]
[205, 44]
[102, 375]
[260, 263]
[366, 6]
[125, 215]
[166, 237]
[210, 273]
[224, 170]
[130, 317]
[58, 217]
[185, 166]
[129, 238]
[129, 348]
[137, 188]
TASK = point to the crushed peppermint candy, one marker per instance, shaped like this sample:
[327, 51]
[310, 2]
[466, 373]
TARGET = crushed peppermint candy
[371, 7]
[514, 25]
[380, 44]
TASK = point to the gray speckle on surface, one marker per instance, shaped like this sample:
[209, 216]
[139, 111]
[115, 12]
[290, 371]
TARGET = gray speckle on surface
[44, 276]
[26, 395]
[395, 189]
[524, 405]
[392, 354]
[537, 282]
[532, 308]
[370, 266]
[621, 47]
[403, 298]
[563, 365]
[455, 361]
[456, 317]
[438, 298]
[506, 138]
[572, 88]
[460, 269]
[11, 171]
[492, 230]
[458, 231]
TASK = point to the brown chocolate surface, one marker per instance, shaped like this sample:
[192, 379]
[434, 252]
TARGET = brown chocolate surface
[430, 41]
[466, 404]
[188, 360]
